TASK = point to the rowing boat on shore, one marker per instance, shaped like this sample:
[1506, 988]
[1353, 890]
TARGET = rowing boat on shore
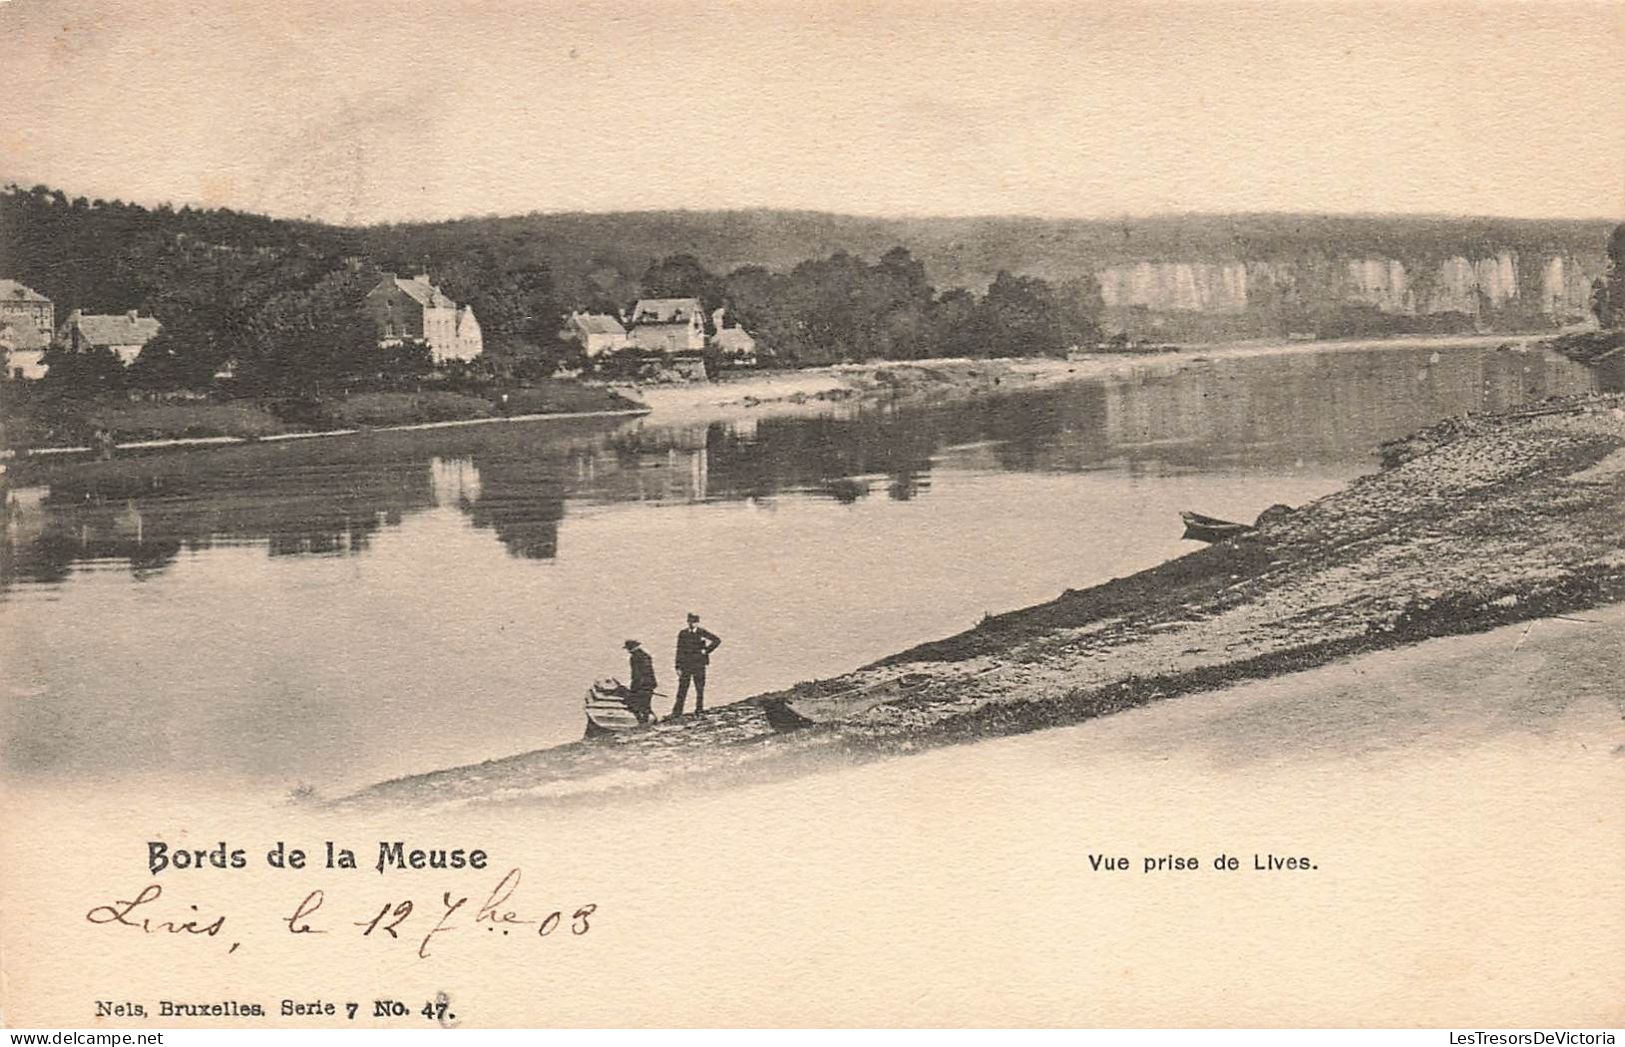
[608, 710]
[1210, 528]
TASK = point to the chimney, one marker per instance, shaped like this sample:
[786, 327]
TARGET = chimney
[131, 314]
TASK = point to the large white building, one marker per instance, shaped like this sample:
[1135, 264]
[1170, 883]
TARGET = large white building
[26, 321]
[417, 310]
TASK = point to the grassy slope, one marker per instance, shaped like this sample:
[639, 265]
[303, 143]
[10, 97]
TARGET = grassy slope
[38, 422]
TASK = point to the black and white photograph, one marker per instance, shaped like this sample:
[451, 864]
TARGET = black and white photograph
[843, 514]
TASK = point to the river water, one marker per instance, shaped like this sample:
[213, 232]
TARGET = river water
[329, 613]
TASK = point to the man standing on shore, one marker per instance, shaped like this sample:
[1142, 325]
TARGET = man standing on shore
[643, 684]
[694, 647]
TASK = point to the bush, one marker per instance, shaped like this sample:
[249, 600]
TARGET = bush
[166, 421]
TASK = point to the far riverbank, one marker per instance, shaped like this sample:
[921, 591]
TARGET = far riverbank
[39, 425]
[947, 378]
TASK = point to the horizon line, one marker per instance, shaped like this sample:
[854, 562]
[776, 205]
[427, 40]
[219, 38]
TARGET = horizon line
[894, 216]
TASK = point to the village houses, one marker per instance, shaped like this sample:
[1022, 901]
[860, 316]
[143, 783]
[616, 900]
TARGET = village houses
[596, 333]
[27, 319]
[417, 310]
[671, 327]
[668, 325]
[126, 334]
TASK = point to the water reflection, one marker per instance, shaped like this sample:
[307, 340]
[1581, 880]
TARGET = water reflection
[144, 512]
[521, 501]
[331, 498]
[1321, 406]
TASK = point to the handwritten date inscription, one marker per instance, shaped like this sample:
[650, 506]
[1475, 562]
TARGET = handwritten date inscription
[395, 919]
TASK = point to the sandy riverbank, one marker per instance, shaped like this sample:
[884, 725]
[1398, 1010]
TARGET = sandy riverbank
[951, 377]
[1473, 524]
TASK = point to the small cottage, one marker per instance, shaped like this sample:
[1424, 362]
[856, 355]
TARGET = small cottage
[126, 334]
[596, 333]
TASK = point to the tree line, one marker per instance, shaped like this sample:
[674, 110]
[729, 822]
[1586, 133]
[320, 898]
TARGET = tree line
[279, 303]
[842, 308]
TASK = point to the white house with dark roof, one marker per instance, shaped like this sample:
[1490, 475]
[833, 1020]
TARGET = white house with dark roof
[417, 310]
[597, 333]
[668, 325]
[126, 334]
[27, 319]
[24, 305]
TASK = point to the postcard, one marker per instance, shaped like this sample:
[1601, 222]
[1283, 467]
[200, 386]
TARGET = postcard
[841, 514]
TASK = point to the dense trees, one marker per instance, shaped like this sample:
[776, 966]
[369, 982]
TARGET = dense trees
[225, 286]
[305, 340]
[279, 302]
[842, 308]
[186, 354]
[94, 371]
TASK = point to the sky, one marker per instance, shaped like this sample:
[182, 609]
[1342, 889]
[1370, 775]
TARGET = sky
[359, 112]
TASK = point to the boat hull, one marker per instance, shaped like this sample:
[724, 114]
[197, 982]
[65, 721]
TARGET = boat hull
[1210, 529]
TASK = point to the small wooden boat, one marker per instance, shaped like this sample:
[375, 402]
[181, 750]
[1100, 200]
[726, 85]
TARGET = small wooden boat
[607, 709]
[1210, 528]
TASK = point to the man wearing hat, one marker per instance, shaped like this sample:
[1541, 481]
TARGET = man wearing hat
[694, 647]
[642, 689]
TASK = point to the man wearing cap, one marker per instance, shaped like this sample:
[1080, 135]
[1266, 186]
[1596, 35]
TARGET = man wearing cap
[694, 647]
[641, 692]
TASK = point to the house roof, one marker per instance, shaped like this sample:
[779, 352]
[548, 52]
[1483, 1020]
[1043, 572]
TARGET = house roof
[12, 291]
[119, 329]
[21, 336]
[597, 323]
[423, 292]
[665, 310]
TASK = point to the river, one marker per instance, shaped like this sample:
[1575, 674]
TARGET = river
[323, 614]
